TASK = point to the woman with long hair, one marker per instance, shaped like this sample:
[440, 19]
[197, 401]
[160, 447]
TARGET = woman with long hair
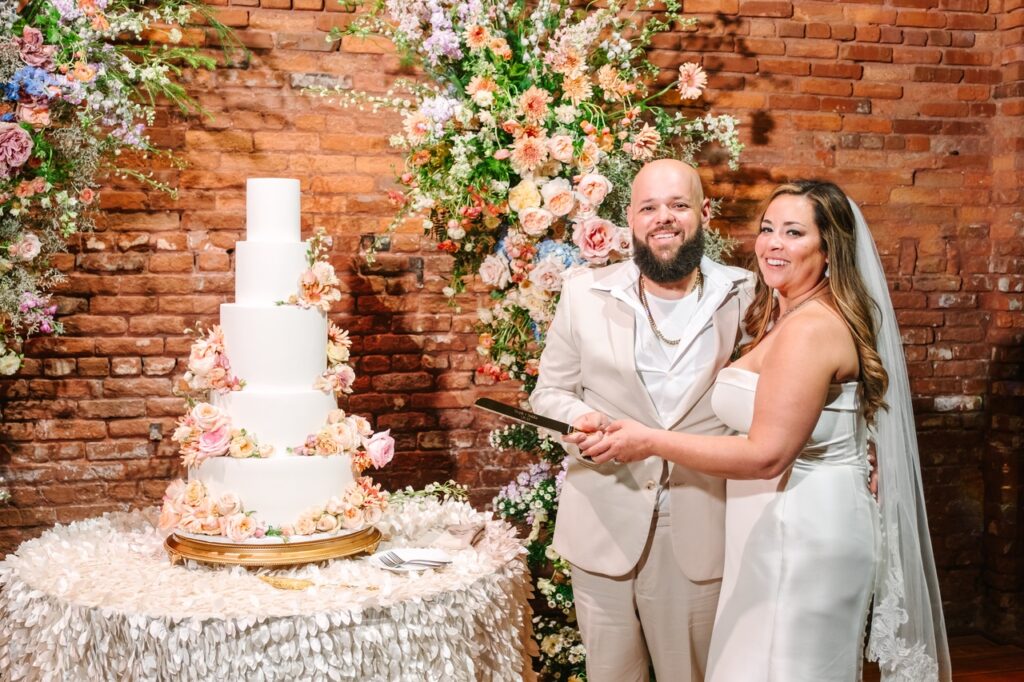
[809, 551]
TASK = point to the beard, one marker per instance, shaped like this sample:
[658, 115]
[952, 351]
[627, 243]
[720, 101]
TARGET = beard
[676, 266]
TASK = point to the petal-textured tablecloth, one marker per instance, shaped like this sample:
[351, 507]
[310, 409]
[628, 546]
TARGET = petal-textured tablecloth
[99, 600]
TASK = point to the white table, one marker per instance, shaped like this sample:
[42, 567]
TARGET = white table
[99, 600]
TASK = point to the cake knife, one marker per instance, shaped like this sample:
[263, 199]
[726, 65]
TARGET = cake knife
[523, 417]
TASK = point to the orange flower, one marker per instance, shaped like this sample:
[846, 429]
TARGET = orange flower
[577, 89]
[528, 153]
[500, 47]
[533, 103]
[477, 36]
[83, 72]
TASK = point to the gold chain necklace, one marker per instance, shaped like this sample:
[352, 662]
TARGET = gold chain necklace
[814, 295]
[698, 284]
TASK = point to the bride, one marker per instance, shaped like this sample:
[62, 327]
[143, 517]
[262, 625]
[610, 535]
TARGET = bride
[808, 550]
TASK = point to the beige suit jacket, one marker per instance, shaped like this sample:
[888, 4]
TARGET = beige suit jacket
[588, 364]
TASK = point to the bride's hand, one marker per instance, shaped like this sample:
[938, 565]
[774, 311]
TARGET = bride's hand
[624, 441]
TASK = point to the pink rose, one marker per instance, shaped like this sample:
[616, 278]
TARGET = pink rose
[381, 448]
[239, 527]
[15, 148]
[594, 187]
[548, 274]
[202, 357]
[215, 443]
[25, 248]
[207, 417]
[596, 238]
[560, 148]
[494, 271]
[191, 524]
[624, 243]
[170, 516]
[36, 115]
[536, 221]
[33, 51]
[372, 514]
[558, 197]
[305, 526]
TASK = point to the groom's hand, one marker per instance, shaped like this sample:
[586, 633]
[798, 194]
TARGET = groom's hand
[588, 430]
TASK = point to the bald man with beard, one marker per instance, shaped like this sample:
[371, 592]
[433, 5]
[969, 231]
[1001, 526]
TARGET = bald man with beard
[644, 339]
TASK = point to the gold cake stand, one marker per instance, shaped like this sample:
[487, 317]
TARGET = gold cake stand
[180, 548]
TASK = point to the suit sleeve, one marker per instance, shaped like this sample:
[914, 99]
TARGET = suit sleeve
[560, 382]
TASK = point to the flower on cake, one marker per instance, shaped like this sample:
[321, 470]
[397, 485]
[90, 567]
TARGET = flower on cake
[350, 435]
[208, 366]
[318, 285]
[339, 376]
[190, 508]
[363, 503]
[205, 431]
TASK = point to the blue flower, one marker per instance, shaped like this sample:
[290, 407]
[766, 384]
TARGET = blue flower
[32, 80]
[567, 253]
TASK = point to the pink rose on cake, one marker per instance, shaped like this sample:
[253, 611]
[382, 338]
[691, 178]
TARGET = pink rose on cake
[380, 448]
[214, 443]
[337, 379]
[207, 417]
[228, 504]
[208, 364]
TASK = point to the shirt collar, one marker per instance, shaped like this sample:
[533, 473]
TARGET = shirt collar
[622, 277]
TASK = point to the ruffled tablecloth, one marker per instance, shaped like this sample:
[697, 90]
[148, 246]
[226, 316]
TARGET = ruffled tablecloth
[99, 600]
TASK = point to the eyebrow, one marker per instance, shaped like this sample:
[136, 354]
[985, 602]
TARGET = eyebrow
[788, 222]
[677, 197]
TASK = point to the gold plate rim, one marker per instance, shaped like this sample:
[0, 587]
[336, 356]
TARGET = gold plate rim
[286, 554]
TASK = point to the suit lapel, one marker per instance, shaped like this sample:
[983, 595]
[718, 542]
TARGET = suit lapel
[621, 325]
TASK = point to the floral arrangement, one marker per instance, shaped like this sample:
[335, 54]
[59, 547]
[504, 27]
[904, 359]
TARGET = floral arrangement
[339, 375]
[205, 431]
[350, 435]
[520, 147]
[208, 366]
[190, 508]
[77, 88]
[318, 285]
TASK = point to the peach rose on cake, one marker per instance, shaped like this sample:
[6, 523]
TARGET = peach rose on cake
[228, 504]
[558, 197]
[194, 494]
[352, 517]
[206, 417]
[346, 435]
[202, 358]
[327, 524]
[372, 514]
[361, 425]
[305, 525]
[190, 523]
[239, 527]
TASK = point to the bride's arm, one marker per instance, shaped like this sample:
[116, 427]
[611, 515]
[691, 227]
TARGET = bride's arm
[791, 392]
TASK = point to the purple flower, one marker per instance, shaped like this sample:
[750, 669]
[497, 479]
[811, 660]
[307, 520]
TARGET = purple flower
[15, 148]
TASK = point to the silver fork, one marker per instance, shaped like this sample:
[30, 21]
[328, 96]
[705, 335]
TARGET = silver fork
[393, 560]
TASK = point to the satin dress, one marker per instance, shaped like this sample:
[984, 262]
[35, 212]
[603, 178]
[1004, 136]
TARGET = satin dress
[800, 551]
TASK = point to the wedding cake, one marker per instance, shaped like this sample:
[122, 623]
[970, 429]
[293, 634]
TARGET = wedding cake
[270, 457]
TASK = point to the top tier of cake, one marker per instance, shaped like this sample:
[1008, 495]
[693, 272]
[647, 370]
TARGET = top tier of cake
[270, 260]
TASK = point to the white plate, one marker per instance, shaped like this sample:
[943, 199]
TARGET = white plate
[407, 553]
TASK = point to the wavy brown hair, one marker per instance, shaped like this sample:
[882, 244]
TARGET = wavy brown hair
[837, 226]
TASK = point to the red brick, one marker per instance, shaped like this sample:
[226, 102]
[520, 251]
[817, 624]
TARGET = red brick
[865, 53]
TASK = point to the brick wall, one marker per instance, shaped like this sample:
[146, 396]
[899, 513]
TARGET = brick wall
[913, 106]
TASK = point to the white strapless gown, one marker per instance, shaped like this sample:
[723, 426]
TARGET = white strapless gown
[800, 551]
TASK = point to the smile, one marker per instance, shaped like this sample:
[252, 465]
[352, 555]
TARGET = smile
[775, 262]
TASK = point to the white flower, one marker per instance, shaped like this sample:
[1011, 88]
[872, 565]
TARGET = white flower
[566, 113]
[494, 271]
[456, 232]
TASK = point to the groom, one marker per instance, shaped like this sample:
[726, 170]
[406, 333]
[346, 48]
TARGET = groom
[644, 339]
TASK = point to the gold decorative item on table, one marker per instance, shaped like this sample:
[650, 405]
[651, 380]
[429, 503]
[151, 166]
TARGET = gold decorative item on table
[180, 548]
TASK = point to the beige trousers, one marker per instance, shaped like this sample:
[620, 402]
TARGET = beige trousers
[652, 615]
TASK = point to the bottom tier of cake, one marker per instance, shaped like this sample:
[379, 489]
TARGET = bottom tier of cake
[278, 499]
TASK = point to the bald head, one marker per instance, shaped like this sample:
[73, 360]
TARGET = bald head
[666, 176]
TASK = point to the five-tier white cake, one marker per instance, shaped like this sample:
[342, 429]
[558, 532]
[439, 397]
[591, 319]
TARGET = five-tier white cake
[269, 454]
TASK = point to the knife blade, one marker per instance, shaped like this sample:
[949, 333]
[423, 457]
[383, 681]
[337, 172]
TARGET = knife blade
[523, 416]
